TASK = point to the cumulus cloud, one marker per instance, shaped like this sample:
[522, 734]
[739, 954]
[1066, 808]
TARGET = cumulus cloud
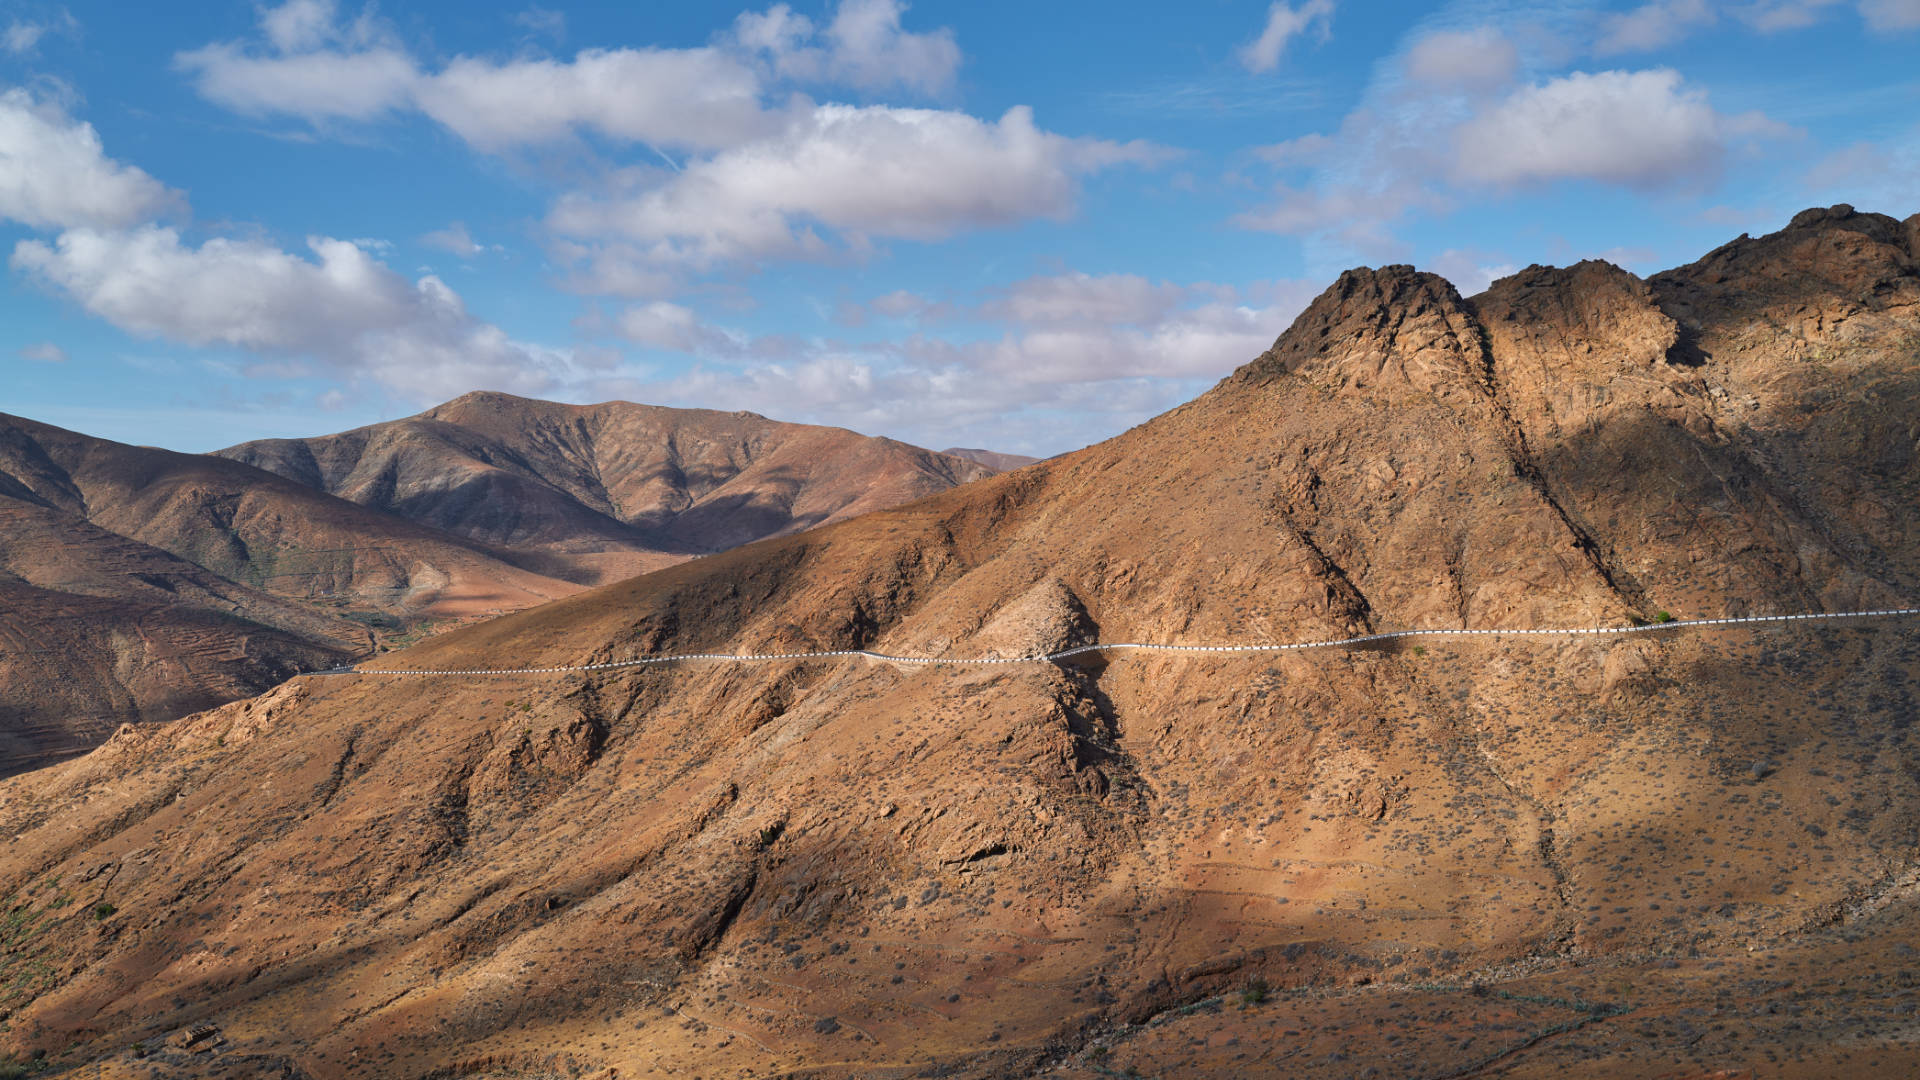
[315, 66]
[863, 171]
[1481, 57]
[863, 46]
[662, 325]
[341, 309]
[312, 64]
[454, 238]
[1284, 23]
[45, 352]
[54, 173]
[1633, 128]
[698, 98]
[1426, 138]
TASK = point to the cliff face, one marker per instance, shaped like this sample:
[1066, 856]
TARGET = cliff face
[847, 868]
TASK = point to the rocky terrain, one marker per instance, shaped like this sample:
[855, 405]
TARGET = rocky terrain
[594, 493]
[1687, 854]
[142, 585]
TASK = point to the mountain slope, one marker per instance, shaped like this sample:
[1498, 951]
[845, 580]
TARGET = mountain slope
[839, 868]
[144, 584]
[597, 492]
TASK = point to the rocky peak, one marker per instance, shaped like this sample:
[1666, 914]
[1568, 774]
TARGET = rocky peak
[1381, 332]
[1826, 268]
[1591, 320]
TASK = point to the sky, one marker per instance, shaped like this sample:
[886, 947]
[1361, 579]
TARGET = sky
[1017, 226]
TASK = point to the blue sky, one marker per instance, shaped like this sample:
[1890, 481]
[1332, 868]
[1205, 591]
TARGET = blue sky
[1018, 226]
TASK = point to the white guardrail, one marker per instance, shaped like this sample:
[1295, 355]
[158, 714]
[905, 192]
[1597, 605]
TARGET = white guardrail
[1048, 658]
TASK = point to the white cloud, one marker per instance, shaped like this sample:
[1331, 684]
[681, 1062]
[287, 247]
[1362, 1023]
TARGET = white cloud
[1652, 26]
[661, 325]
[1358, 215]
[342, 309]
[1081, 356]
[1891, 14]
[1875, 176]
[864, 47]
[900, 304]
[1308, 149]
[701, 98]
[454, 238]
[1107, 299]
[23, 36]
[316, 86]
[1470, 270]
[1284, 23]
[1775, 15]
[1660, 23]
[299, 25]
[315, 66]
[871, 171]
[318, 68]
[54, 173]
[1482, 57]
[45, 352]
[1634, 128]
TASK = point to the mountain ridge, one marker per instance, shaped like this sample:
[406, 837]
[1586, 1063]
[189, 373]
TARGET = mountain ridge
[841, 870]
[176, 582]
[534, 475]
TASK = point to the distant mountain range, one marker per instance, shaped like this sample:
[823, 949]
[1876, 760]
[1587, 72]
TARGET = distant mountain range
[992, 460]
[141, 584]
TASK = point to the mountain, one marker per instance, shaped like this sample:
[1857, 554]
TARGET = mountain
[1684, 853]
[994, 460]
[143, 585]
[594, 493]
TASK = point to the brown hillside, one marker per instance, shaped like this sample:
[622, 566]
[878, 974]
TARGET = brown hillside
[97, 629]
[144, 584]
[600, 492]
[1688, 855]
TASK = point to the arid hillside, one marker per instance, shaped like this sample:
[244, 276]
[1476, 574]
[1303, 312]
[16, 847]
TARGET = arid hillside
[144, 585]
[594, 493]
[1684, 854]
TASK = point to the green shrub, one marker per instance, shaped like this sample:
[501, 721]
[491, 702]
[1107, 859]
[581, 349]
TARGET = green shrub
[103, 910]
[1254, 994]
[1662, 617]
